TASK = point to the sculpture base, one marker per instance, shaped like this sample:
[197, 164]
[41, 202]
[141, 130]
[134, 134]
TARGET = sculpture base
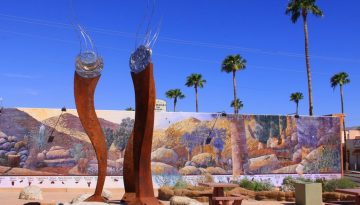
[95, 198]
[145, 201]
[128, 197]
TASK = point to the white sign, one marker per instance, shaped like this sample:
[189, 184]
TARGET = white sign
[160, 105]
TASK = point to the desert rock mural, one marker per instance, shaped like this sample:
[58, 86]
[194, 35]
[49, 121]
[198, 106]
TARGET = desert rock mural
[183, 143]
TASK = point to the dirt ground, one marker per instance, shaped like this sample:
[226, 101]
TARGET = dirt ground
[53, 196]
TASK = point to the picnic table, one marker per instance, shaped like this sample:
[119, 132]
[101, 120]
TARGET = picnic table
[355, 192]
[219, 196]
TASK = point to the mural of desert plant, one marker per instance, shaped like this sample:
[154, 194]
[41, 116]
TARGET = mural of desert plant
[218, 143]
[307, 132]
[35, 142]
[266, 126]
[189, 141]
[201, 135]
[122, 135]
[77, 151]
[109, 136]
[40, 141]
[328, 161]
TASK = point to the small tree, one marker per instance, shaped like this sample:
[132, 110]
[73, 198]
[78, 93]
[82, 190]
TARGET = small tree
[296, 97]
[195, 80]
[237, 105]
[175, 94]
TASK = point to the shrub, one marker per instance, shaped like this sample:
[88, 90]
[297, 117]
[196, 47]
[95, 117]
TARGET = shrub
[255, 185]
[289, 183]
[343, 183]
[327, 185]
[181, 184]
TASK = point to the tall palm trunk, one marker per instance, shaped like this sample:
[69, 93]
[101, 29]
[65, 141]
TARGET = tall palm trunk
[304, 14]
[297, 108]
[234, 84]
[342, 99]
[175, 100]
[196, 96]
[343, 121]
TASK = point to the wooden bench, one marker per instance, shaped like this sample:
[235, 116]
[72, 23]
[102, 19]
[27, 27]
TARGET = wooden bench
[237, 200]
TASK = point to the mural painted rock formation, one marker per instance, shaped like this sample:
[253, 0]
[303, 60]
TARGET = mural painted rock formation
[183, 143]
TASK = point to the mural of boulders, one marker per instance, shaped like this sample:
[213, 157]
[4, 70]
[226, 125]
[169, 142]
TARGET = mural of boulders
[164, 155]
[13, 152]
[56, 156]
[203, 160]
[159, 168]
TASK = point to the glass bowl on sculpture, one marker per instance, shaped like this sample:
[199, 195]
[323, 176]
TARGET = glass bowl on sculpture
[89, 64]
[140, 59]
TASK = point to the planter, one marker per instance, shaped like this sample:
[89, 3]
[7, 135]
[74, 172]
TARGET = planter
[308, 194]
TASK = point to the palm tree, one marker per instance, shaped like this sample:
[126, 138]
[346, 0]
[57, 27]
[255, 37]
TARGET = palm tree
[341, 79]
[296, 97]
[237, 105]
[297, 8]
[231, 64]
[195, 80]
[174, 94]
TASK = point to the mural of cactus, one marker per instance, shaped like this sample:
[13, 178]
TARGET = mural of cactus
[40, 140]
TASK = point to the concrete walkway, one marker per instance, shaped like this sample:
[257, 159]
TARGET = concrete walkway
[53, 196]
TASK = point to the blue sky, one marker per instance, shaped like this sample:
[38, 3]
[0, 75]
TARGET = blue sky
[38, 47]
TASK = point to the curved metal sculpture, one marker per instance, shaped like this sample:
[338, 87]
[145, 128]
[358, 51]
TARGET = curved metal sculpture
[88, 69]
[137, 160]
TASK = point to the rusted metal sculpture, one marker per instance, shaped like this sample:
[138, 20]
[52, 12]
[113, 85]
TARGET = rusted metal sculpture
[88, 69]
[137, 160]
[84, 89]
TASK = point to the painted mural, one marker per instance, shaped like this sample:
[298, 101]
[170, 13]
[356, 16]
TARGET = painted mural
[183, 143]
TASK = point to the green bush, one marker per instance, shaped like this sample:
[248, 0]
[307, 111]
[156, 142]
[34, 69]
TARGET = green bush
[343, 183]
[327, 185]
[255, 185]
[289, 183]
[181, 184]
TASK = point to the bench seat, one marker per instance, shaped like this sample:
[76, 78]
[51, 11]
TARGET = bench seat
[226, 199]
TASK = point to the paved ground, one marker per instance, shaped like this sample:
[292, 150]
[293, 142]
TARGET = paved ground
[51, 197]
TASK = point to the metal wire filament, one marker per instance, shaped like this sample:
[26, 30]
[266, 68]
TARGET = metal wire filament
[141, 57]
